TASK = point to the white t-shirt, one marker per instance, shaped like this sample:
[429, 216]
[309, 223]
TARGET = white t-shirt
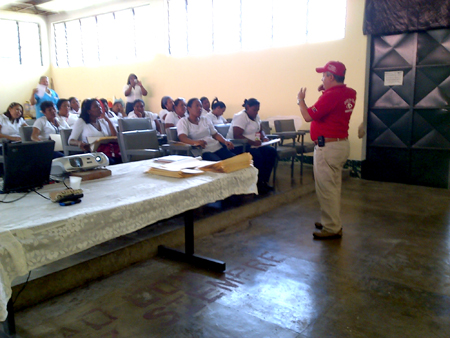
[46, 128]
[114, 118]
[204, 112]
[82, 130]
[204, 130]
[70, 120]
[148, 115]
[173, 118]
[11, 128]
[163, 113]
[216, 120]
[249, 126]
[136, 93]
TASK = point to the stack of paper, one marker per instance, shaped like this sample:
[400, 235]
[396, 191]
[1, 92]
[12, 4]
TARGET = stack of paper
[177, 166]
[231, 164]
[95, 141]
[173, 172]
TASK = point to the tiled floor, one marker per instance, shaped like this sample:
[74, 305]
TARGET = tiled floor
[389, 276]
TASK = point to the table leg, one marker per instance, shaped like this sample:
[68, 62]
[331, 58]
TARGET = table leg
[9, 325]
[303, 151]
[188, 256]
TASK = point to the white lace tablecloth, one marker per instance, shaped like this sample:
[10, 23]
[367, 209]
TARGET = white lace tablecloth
[35, 231]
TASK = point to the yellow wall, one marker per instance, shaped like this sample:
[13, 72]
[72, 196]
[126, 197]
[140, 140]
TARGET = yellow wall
[273, 76]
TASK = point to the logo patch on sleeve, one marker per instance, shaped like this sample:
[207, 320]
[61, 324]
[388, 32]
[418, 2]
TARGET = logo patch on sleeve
[314, 109]
[349, 105]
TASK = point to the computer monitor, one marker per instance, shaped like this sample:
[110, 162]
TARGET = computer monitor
[26, 165]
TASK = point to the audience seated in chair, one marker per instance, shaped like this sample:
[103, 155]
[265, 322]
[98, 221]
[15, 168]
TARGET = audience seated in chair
[94, 123]
[74, 105]
[117, 108]
[11, 121]
[139, 112]
[215, 116]
[167, 105]
[64, 114]
[247, 125]
[111, 115]
[179, 112]
[48, 124]
[199, 131]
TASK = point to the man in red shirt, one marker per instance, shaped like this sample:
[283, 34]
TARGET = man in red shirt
[329, 118]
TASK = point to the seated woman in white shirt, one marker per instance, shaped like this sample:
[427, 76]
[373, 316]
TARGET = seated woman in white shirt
[139, 112]
[48, 124]
[64, 113]
[247, 125]
[93, 123]
[215, 116]
[179, 112]
[11, 121]
[117, 108]
[206, 105]
[111, 115]
[199, 131]
[167, 106]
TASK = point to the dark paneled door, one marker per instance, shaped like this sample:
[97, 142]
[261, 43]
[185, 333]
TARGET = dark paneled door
[408, 126]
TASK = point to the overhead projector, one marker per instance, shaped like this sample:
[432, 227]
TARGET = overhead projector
[79, 162]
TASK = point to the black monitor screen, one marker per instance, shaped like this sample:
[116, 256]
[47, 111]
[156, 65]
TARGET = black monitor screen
[26, 165]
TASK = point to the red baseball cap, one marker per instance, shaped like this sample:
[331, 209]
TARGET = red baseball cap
[334, 67]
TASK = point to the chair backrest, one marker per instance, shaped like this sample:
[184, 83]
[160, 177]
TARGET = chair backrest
[172, 134]
[284, 125]
[25, 133]
[265, 127]
[222, 129]
[30, 122]
[138, 139]
[67, 148]
[65, 134]
[127, 124]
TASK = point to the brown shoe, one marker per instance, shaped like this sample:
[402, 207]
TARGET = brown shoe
[325, 234]
[318, 225]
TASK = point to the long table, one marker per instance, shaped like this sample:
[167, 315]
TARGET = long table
[35, 232]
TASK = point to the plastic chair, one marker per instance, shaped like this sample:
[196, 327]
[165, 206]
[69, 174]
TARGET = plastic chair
[222, 129]
[67, 148]
[288, 126]
[25, 133]
[127, 124]
[139, 145]
[176, 147]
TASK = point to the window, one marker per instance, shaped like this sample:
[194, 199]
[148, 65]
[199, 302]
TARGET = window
[191, 27]
[219, 26]
[21, 43]
[106, 38]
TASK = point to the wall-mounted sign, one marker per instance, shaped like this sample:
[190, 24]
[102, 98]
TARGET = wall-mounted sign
[393, 78]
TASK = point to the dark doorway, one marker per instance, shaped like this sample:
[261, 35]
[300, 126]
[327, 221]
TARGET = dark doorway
[408, 126]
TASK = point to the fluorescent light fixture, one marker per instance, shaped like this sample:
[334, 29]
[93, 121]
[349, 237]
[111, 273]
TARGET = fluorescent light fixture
[68, 5]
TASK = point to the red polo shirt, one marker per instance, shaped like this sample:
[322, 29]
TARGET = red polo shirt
[331, 113]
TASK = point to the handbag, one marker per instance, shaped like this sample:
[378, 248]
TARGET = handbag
[110, 149]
